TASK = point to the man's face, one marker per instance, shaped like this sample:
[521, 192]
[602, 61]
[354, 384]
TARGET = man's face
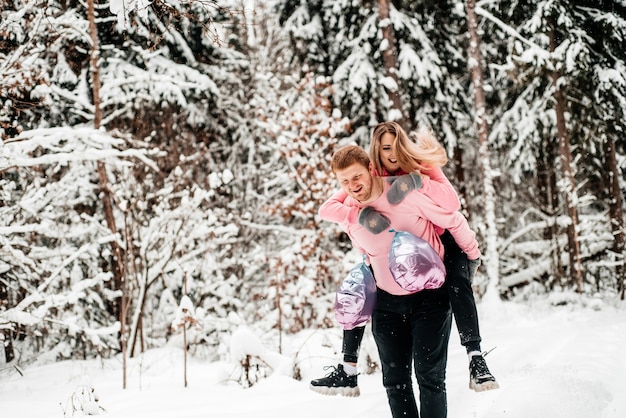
[356, 181]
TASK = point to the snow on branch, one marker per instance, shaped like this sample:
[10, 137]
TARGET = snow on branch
[66, 144]
[71, 259]
[185, 316]
[55, 300]
[255, 359]
[509, 30]
[122, 9]
[534, 226]
[527, 275]
[42, 304]
[277, 228]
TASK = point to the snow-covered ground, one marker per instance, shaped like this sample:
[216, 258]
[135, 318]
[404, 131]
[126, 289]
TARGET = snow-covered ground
[551, 362]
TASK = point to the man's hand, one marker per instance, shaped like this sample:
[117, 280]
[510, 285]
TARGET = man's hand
[373, 221]
[472, 266]
[402, 185]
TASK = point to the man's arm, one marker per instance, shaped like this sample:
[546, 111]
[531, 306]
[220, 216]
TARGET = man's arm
[334, 210]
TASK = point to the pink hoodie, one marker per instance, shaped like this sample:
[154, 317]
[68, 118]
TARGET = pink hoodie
[435, 185]
[417, 214]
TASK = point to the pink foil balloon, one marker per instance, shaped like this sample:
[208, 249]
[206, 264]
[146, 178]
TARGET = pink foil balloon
[414, 264]
[356, 297]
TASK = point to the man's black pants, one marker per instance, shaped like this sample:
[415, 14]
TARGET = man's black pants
[414, 329]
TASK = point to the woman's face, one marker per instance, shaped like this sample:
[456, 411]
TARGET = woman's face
[388, 153]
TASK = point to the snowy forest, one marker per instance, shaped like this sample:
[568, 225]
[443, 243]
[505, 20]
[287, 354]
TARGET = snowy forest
[170, 156]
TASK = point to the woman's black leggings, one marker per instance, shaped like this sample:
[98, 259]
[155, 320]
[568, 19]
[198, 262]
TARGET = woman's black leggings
[461, 294]
[352, 343]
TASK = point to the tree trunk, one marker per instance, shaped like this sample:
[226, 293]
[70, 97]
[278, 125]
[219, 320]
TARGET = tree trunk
[615, 211]
[390, 61]
[491, 253]
[7, 343]
[569, 185]
[549, 199]
[459, 174]
[6, 338]
[117, 264]
[118, 270]
[135, 326]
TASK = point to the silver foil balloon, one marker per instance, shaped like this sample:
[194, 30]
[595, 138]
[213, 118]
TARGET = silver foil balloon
[356, 297]
[414, 264]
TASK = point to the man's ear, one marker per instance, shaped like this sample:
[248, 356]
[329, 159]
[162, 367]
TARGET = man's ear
[371, 168]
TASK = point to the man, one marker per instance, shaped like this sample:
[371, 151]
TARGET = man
[407, 327]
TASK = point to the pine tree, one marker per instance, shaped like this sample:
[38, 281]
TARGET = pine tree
[158, 93]
[552, 113]
[347, 41]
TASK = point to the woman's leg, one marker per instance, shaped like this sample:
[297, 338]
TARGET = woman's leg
[343, 379]
[465, 314]
[352, 344]
[461, 294]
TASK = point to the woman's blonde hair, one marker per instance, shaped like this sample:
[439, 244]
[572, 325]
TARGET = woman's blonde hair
[417, 153]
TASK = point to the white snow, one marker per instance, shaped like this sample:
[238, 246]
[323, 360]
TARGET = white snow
[551, 361]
